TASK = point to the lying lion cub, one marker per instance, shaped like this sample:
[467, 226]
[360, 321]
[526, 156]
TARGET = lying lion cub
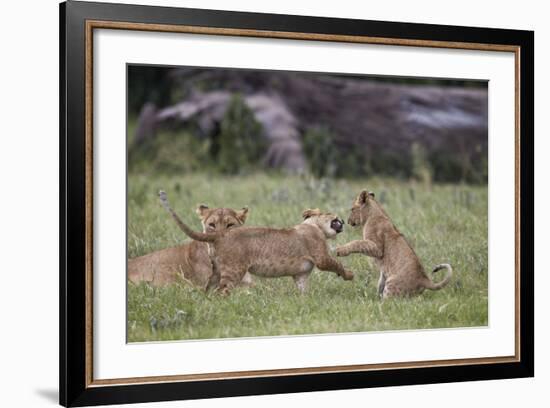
[190, 261]
[270, 252]
[401, 272]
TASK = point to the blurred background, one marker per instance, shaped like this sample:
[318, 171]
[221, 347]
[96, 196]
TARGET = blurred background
[237, 121]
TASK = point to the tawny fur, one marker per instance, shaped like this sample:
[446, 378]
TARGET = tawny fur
[189, 262]
[401, 273]
[270, 252]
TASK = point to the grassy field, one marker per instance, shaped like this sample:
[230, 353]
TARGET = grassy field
[444, 223]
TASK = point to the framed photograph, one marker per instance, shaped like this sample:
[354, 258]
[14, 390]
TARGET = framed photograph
[256, 204]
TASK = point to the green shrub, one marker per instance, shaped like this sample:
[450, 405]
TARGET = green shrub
[390, 163]
[452, 167]
[240, 144]
[320, 151]
[420, 166]
[352, 163]
[170, 152]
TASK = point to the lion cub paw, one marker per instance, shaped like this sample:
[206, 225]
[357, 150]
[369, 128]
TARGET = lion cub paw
[340, 251]
[348, 275]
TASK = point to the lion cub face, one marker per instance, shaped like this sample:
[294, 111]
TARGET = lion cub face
[329, 223]
[220, 219]
[360, 209]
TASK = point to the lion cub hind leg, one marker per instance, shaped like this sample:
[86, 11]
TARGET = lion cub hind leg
[399, 288]
[391, 289]
[301, 282]
[304, 267]
[213, 280]
[247, 280]
[381, 284]
[229, 278]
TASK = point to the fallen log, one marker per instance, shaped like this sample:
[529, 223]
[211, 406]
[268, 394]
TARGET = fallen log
[363, 115]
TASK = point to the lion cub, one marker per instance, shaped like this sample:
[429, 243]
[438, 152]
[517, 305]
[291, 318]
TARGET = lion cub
[401, 273]
[190, 261]
[270, 252]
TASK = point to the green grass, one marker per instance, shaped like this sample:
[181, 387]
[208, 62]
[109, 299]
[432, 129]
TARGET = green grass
[444, 223]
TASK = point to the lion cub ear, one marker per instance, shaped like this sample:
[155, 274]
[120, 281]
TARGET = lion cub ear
[242, 214]
[310, 213]
[364, 196]
[202, 210]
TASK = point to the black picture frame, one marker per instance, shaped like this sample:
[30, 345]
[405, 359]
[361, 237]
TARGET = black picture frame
[75, 387]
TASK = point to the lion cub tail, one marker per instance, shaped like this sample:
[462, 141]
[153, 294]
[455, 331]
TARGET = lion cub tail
[436, 286]
[197, 236]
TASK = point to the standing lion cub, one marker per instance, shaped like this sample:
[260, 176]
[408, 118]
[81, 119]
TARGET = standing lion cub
[270, 252]
[401, 273]
[190, 261]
